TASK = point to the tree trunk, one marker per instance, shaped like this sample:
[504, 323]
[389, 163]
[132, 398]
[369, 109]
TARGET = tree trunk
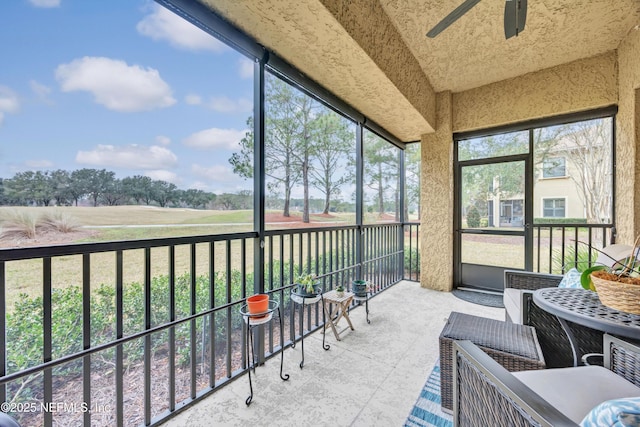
[305, 184]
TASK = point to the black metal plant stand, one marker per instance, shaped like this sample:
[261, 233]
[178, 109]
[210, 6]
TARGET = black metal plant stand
[366, 303]
[302, 300]
[257, 319]
[363, 296]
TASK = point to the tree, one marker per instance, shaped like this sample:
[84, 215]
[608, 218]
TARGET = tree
[586, 146]
[412, 166]
[242, 161]
[281, 141]
[334, 142]
[61, 183]
[305, 147]
[502, 180]
[196, 198]
[381, 170]
[31, 187]
[139, 188]
[91, 182]
[113, 193]
[163, 192]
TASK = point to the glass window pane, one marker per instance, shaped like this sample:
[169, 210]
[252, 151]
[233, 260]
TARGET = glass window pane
[381, 179]
[412, 182]
[499, 251]
[135, 129]
[494, 146]
[577, 156]
[493, 195]
[309, 160]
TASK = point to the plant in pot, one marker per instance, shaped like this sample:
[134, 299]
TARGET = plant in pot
[307, 285]
[340, 290]
[617, 282]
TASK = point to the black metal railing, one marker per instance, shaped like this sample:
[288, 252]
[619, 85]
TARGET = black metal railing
[559, 247]
[137, 330]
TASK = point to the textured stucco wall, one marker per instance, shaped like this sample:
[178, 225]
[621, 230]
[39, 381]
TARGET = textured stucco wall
[308, 35]
[368, 24]
[436, 232]
[576, 86]
[627, 139]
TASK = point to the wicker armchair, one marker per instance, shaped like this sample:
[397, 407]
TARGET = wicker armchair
[553, 340]
[486, 394]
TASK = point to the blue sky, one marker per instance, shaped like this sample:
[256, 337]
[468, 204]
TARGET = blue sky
[122, 85]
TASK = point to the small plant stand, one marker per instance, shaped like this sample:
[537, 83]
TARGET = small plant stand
[302, 300]
[253, 320]
[361, 297]
[335, 308]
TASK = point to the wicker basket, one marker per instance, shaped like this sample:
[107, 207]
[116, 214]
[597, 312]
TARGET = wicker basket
[617, 295]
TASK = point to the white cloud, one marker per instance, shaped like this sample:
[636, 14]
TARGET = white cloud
[1, 118]
[41, 91]
[163, 140]
[218, 173]
[115, 84]
[246, 68]
[222, 104]
[39, 164]
[8, 100]
[162, 24]
[215, 138]
[128, 157]
[193, 99]
[45, 3]
[164, 175]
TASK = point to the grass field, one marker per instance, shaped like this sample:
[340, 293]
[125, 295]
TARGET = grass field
[119, 223]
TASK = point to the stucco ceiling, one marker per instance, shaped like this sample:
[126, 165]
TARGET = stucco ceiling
[474, 52]
[374, 53]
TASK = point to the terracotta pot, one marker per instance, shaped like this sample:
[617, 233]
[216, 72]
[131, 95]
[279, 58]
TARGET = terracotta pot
[258, 303]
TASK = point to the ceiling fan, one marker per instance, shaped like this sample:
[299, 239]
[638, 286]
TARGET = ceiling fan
[515, 16]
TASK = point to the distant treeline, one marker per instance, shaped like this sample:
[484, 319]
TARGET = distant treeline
[100, 187]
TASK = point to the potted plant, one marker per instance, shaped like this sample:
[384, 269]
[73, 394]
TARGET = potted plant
[307, 285]
[617, 282]
[340, 290]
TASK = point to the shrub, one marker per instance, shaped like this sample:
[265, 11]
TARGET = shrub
[412, 259]
[571, 259]
[57, 221]
[473, 217]
[19, 225]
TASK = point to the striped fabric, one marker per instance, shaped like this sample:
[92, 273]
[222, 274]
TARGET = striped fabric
[426, 411]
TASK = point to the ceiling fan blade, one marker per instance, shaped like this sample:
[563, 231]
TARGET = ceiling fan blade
[452, 17]
[515, 17]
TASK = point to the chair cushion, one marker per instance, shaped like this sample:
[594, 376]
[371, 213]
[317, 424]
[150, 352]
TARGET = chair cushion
[512, 299]
[571, 279]
[614, 413]
[576, 391]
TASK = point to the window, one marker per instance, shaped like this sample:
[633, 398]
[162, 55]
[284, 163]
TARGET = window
[158, 138]
[553, 208]
[381, 179]
[554, 167]
[582, 152]
[310, 159]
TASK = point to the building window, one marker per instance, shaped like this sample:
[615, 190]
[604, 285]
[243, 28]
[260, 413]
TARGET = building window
[554, 167]
[554, 208]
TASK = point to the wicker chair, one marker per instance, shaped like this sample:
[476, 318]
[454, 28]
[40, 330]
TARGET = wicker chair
[486, 394]
[553, 340]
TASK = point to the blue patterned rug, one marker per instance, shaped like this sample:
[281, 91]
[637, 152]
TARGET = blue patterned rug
[426, 411]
